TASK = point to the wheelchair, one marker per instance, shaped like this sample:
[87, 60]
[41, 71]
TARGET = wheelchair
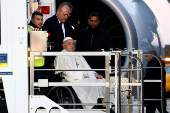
[64, 95]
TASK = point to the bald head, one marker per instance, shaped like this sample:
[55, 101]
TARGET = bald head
[64, 11]
[150, 57]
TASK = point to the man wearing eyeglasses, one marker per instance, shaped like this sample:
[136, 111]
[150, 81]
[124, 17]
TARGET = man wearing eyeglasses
[58, 28]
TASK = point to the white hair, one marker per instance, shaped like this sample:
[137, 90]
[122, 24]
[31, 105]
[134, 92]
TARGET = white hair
[66, 38]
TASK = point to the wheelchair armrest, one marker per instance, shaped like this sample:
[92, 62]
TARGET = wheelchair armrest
[63, 80]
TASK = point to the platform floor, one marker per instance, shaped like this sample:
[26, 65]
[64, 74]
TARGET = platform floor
[135, 110]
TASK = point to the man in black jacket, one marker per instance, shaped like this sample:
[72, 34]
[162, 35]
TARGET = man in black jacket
[152, 90]
[58, 28]
[94, 38]
[35, 23]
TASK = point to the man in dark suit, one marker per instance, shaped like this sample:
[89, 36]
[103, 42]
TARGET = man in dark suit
[58, 28]
[94, 38]
[152, 90]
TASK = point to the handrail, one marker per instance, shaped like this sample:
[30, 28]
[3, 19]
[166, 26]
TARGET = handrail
[71, 53]
[142, 71]
[107, 69]
[118, 69]
[106, 84]
[69, 69]
[123, 69]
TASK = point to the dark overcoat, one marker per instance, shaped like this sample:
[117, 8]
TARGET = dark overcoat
[152, 90]
[52, 26]
[91, 40]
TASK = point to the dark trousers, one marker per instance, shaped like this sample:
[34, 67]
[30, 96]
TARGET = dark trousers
[37, 75]
[152, 109]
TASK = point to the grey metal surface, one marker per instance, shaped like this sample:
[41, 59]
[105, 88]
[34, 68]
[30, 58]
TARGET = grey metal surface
[107, 96]
[128, 70]
[137, 84]
[131, 84]
[69, 69]
[119, 67]
[130, 65]
[31, 73]
[72, 53]
[73, 111]
[38, 41]
[81, 104]
[116, 83]
[152, 80]
[151, 67]
[127, 24]
[138, 80]
[75, 84]
[126, 21]
[107, 70]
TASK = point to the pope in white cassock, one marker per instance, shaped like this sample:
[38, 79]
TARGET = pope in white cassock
[88, 94]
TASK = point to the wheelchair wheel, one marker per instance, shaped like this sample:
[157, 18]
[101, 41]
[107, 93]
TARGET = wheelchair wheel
[62, 95]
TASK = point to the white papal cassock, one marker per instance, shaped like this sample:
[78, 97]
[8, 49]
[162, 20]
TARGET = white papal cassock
[88, 94]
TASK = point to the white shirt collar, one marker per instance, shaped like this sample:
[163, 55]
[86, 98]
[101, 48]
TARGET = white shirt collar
[63, 28]
[64, 50]
[58, 19]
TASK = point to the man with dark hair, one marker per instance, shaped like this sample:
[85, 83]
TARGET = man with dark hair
[94, 38]
[58, 27]
[152, 90]
[35, 23]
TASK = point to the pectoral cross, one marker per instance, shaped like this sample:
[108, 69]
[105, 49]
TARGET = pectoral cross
[77, 64]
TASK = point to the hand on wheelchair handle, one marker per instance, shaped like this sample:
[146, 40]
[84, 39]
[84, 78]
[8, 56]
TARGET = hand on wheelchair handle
[52, 65]
[86, 77]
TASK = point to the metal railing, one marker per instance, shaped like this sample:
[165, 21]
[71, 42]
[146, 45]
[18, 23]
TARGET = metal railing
[137, 55]
[107, 73]
[139, 76]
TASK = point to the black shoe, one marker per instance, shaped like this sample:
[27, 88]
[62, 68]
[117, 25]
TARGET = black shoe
[97, 107]
[94, 107]
[111, 111]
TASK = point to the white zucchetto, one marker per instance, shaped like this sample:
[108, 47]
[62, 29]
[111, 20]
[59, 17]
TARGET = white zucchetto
[67, 38]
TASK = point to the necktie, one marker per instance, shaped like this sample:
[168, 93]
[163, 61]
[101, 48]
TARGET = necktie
[61, 26]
